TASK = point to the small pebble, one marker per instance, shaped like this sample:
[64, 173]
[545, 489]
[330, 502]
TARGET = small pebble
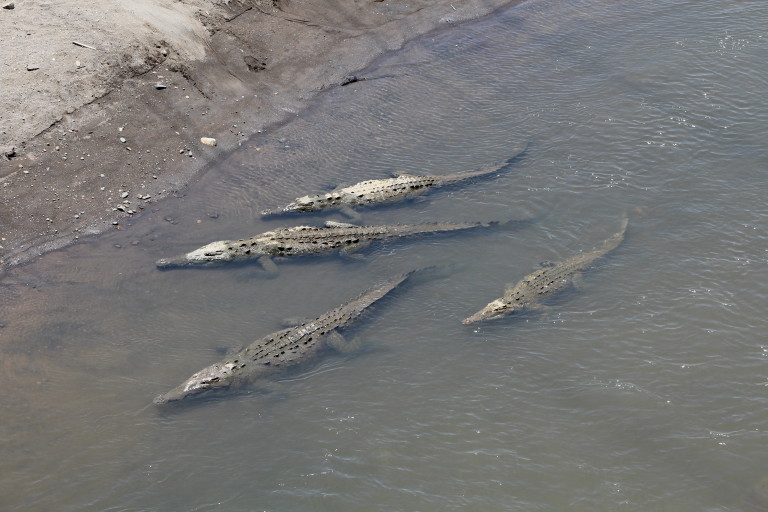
[122, 139]
[208, 141]
[160, 86]
[9, 5]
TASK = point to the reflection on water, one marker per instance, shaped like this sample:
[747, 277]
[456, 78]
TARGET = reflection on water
[643, 390]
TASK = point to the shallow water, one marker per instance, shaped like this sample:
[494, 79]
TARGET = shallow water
[643, 390]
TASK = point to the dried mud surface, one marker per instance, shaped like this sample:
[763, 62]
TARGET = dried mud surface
[104, 105]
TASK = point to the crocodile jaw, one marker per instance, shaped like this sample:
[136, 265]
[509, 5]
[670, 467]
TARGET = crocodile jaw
[305, 204]
[211, 254]
[495, 309]
[216, 376]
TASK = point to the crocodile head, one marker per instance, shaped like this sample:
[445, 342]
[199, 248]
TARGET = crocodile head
[216, 376]
[305, 204]
[495, 309]
[211, 254]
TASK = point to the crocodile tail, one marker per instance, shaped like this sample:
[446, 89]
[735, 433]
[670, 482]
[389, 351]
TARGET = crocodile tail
[437, 270]
[518, 222]
[618, 237]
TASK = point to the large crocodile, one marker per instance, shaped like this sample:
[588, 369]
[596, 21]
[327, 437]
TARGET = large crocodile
[301, 240]
[402, 186]
[282, 349]
[548, 280]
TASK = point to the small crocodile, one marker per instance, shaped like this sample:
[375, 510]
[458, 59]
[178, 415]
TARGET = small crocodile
[282, 349]
[300, 240]
[388, 190]
[546, 281]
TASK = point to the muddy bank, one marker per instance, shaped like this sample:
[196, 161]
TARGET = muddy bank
[105, 105]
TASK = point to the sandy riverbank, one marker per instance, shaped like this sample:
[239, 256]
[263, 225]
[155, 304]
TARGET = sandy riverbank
[105, 104]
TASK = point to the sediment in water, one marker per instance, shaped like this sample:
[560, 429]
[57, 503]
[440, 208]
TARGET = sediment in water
[140, 88]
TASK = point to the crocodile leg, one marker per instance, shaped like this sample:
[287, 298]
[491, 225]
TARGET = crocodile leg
[350, 213]
[350, 251]
[578, 281]
[541, 308]
[340, 344]
[268, 265]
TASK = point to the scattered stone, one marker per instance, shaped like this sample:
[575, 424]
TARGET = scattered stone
[115, 223]
[160, 86]
[117, 246]
[9, 5]
[351, 80]
[124, 195]
[122, 139]
[32, 67]
[208, 141]
[135, 242]
[254, 64]
[83, 45]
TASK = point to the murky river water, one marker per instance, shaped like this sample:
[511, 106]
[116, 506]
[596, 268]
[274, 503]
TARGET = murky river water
[644, 390]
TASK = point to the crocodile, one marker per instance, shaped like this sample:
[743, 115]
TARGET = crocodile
[388, 190]
[548, 280]
[282, 349]
[339, 237]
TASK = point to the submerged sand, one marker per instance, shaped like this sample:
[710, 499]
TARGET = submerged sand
[105, 102]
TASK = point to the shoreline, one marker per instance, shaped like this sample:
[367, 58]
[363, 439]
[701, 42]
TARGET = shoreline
[95, 136]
